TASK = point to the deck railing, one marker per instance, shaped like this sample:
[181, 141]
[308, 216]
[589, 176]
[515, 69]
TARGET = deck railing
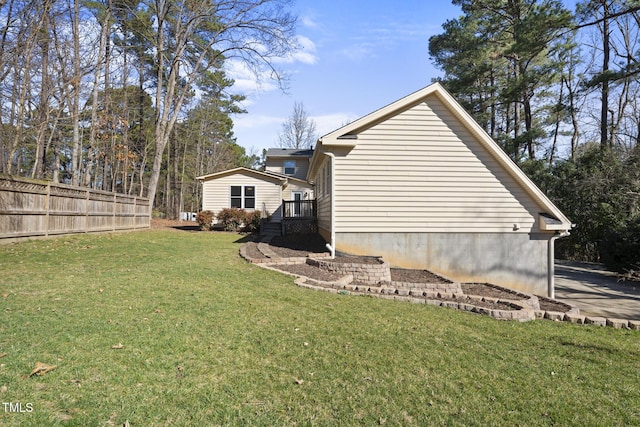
[299, 208]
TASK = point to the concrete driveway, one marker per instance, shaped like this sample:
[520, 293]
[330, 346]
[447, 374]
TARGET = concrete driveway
[596, 291]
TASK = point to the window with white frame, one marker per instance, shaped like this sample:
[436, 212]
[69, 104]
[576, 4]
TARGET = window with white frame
[289, 167]
[243, 196]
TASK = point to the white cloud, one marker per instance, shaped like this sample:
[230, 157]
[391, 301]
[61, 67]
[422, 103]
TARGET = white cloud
[305, 52]
[358, 52]
[252, 121]
[251, 82]
[308, 22]
[247, 81]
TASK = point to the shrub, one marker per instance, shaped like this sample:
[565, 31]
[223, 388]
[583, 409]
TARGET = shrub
[620, 248]
[252, 221]
[204, 220]
[232, 218]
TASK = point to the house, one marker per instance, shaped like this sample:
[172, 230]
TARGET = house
[421, 184]
[270, 191]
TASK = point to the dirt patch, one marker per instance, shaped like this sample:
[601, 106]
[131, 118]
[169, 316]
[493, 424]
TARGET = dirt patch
[416, 276]
[170, 224]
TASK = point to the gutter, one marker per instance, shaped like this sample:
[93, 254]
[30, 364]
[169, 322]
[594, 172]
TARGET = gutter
[551, 268]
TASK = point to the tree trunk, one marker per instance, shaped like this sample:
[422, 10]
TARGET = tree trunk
[604, 108]
[104, 32]
[76, 151]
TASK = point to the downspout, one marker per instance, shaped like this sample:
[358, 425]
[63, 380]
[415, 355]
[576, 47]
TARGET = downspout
[332, 246]
[551, 267]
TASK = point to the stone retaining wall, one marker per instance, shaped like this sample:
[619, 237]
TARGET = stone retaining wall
[443, 287]
[372, 274]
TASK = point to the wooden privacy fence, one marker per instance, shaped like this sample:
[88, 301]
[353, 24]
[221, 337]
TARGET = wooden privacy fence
[31, 208]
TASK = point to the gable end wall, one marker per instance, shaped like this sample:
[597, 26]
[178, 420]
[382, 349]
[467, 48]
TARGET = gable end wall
[422, 171]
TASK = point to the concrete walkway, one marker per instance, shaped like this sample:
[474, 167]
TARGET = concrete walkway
[596, 291]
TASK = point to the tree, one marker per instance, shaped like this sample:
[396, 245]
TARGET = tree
[194, 36]
[299, 130]
[502, 57]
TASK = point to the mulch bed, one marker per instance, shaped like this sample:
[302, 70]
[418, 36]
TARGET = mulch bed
[547, 304]
[252, 251]
[297, 245]
[310, 272]
[487, 290]
[416, 276]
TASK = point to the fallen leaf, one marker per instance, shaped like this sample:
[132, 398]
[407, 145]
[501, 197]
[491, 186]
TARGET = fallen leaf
[118, 346]
[5, 295]
[101, 290]
[3, 389]
[3, 355]
[157, 310]
[41, 369]
[299, 382]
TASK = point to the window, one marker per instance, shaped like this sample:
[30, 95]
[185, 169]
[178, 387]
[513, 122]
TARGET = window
[236, 196]
[289, 167]
[250, 197]
[243, 197]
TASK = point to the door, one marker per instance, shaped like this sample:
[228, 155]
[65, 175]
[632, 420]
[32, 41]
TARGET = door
[297, 206]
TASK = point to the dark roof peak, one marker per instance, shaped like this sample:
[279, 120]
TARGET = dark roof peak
[287, 152]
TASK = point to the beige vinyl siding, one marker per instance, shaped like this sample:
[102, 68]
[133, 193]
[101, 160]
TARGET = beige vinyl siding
[323, 196]
[276, 164]
[422, 171]
[307, 191]
[216, 193]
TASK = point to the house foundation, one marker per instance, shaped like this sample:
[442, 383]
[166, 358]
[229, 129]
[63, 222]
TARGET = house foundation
[514, 260]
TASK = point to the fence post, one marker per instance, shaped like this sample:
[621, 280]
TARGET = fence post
[113, 219]
[86, 211]
[47, 207]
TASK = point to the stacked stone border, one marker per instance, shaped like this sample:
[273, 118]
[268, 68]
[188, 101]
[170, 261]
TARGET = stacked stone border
[523, 307]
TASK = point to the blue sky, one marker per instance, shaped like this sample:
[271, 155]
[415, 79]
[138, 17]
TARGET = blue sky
[356, 57]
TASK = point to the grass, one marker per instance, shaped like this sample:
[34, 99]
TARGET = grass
[209, 339]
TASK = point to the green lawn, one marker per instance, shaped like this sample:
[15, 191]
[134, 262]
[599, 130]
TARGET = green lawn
[209, 339]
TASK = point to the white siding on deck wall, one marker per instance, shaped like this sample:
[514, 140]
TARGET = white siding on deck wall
[216, 193]
[421, 170]
[305, 189]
